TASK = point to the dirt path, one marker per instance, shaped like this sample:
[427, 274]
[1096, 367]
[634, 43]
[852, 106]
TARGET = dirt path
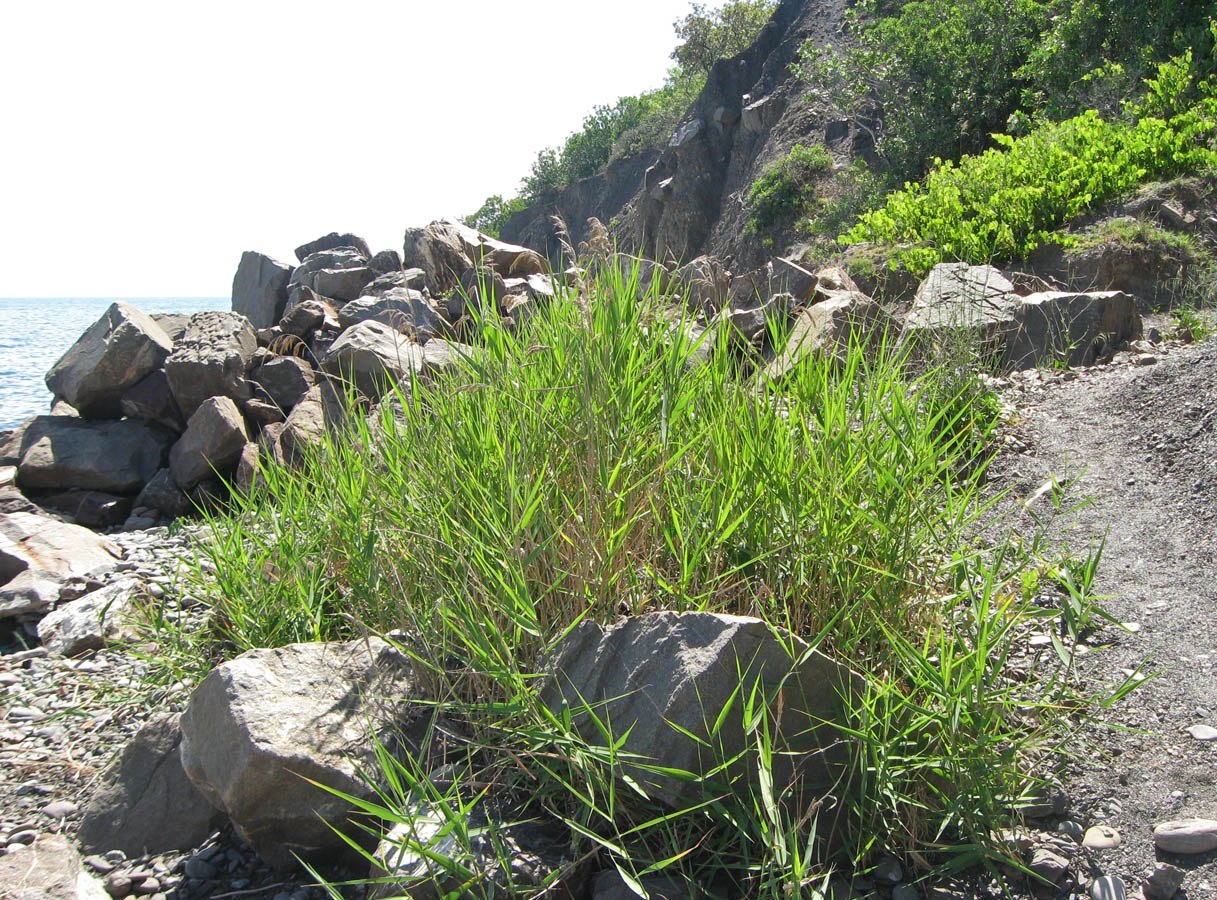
[1141, 440]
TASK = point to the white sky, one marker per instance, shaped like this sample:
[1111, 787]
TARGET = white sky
[146, 144]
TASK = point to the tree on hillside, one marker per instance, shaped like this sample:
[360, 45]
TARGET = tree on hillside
[708, 36]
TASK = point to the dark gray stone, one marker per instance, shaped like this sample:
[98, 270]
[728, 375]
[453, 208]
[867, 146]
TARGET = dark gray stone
[210, 359]
[113, 456]
[211, 444]
[259, 289]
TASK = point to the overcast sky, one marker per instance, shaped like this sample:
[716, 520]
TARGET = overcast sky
[146, 144]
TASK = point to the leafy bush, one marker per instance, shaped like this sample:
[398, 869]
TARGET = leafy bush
[1005, 202]
[493, 214]
[706, 36]
[787, 186]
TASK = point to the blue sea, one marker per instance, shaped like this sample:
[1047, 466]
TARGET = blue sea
[34, 333]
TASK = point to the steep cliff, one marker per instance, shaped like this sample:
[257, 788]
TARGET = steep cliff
[690, 198]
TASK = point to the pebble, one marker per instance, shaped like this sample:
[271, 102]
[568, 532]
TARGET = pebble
[26, 714]
[1107, 887]
[60, 809]
[118, 885]
[1048, 865]
[24, 836]
[1186, 836]
[1163, 883]
[1071, 829]
[1203, 732]
[905, 892]
[887, 871]
[199, 868]
[99, 864]
[1101, 837]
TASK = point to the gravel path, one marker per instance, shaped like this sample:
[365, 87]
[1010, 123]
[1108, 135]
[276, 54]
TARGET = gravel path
[1140, 438]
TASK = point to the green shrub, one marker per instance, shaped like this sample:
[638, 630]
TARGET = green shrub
[1005, 202]
[786, 187]
[493, 214]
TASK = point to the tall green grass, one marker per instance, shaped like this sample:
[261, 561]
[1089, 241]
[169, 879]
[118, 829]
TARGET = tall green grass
[597, 462]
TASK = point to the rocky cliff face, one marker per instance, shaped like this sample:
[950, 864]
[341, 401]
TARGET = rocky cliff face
[690, 198]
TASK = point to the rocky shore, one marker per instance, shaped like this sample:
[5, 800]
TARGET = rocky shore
[168, 789]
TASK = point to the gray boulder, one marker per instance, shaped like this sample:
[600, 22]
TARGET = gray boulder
[340, 273]
[1012, 331]
[285, 379]
[113, 456]
[164, 495]
[372, 357]
[385, 262]
[401, 309]
[259, 289]
[113, 354]
[664, 676]
[152, 399]
[98, 618]
[333, 241]
[260, 722]
[50, 869]
[210, 359]
[146, 804]
[311, 312]
[828, 327]
[211, 443]
[439, 251]
[92, 509]
[704, 284]
[38, 553]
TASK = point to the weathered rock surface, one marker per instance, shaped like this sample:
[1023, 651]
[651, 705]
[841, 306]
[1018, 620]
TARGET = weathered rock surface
[402, 309]
[92, 509]
[38, 553]
[210, 359]
[164, 494]
[258, 723]
[340, 273]
[210, 445]
[146, 804]
[333, 241]
[372, 356]
[1186, 836]
[93, 621]
[1017, 332]
[285, 379]
[115, 352]
[704, 283]
[659, 674]
[112, 456]
[259, 289]
[828, 328]
[152, 399]
[50, 869]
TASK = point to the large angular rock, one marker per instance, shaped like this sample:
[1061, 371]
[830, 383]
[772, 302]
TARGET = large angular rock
[116, 457]
[401, 309]
[373, 357]
[259, 289]
[703, 283]
[1012, 331]
[210, 359]
[285, 379]
[115, 352]
[152, 399]
[94, 620]
[92, 509]
[333, 241]
[438, 250]
[340, 273]
[259, 725]
[164, 495]
[210, 445]
[38, 553]
[50, 869]
[146, 804]
[828, 328]
[664, 676]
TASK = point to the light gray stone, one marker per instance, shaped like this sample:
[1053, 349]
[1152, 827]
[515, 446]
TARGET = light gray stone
[145, 803]
[662, 675]
[402, 309]
[372, 357]
[210, 445]
[112, 456]
[333, 241]
[1107, 887]
[1101, 837]
[210, 359]
[828, 328]
[97, 619]
[1163, 882]
[259, 289]
[115, 352]
[1050, 866]
[1186, 836]
[258, 723]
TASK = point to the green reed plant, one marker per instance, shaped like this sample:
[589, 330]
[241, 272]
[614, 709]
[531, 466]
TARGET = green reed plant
[597, 461]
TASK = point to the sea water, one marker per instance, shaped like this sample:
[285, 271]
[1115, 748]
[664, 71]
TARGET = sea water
[34, 333]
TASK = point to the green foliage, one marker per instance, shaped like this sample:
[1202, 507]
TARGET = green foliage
[665, 107]
[936, 77]
[710, 35]
[493, 214]
[786, 187]
[1004, 203]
